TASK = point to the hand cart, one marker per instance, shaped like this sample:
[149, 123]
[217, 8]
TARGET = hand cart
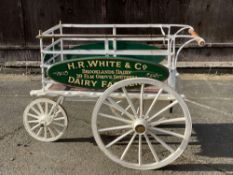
[139, 120]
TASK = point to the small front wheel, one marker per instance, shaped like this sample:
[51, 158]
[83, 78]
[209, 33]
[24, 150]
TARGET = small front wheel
[45, 120]
[140, 132]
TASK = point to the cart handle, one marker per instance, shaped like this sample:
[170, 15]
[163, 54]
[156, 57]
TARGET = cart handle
[200, 40]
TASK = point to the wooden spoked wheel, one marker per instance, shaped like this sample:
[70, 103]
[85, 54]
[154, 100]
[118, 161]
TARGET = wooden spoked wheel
[45, 120]
[137, 132]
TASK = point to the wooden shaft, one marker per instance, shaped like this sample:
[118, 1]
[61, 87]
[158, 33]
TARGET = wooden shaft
[200, 41]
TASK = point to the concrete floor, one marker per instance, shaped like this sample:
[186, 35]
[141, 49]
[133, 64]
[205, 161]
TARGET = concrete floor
[210, 150]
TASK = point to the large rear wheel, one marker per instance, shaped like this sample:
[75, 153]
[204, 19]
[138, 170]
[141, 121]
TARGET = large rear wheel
[139, 132]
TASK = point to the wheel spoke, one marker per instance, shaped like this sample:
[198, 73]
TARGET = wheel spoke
[51, 132]
[57, 130]
[126, 109]
[154, 101]
[46, 108]
[163, 110]
[52, 109]
[33, 116]
[36, 126]
[39, 131]
[168, 132]
[59, 118]
[162, 142]
[116, 113]
[115, 118]
[129, 101]
[119, 138]
[137, 110]
[33, 121]
[115, 128]
[128, 146]
[45, 132]
[40, 108]
[175, 120]
[58, 124]
[119, 108]
[141, 100]
[151, 148]
[35, 110]
[140, 149]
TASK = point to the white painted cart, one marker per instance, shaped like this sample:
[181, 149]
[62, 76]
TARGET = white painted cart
[139, 122]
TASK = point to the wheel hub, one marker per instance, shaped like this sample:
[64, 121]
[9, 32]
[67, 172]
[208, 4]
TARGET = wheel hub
[45, 120]
[140, 126]
[140, 129]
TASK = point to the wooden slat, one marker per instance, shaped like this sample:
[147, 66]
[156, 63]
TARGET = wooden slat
[11, 22]
[44, 14]
[20, 20]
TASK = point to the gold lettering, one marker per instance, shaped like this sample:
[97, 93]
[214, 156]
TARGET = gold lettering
[144, 67]
[118, 64]
[101, 63]
[79, 76]
[127, 65]
[109, 84]
[87, 83]
[92, 63]
[93, 83]
[79, 81]
[71, 79]
[83, 82]
[138, 66]
[112, 63]
[81, 64]
[103, 84]
[122, 72]
[71, 66]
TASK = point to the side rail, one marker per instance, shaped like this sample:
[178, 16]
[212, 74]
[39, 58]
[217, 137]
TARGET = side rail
[168, 34]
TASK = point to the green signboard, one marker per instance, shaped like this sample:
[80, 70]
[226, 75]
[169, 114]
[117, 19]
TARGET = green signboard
[102, 72]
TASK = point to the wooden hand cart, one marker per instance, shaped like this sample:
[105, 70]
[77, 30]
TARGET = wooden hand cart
[139, 120]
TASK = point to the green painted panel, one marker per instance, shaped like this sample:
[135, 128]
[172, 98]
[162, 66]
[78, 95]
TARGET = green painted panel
[102, 72]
